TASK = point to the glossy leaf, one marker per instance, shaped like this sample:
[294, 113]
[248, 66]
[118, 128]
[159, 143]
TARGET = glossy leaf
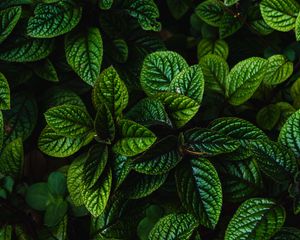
[121, 167]
[209, 46]
[4, 93]
[9, 18]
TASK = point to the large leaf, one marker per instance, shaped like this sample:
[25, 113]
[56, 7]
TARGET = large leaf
[280, 14]
[160, 158]
[200, 191]
[159, 69]
[257, 218]
[111, 90]
[275, 160]
[84, 51]
[51, 20]
[208, 46]
[69, 120]
[244, 78]
[189, 82]
[211, 12]
[9, 18]
[11, 159]
[174, 226]
[290, 133]
[121, 167]
[26, 50]
[4, 93]
[181, 109]
[135, 138]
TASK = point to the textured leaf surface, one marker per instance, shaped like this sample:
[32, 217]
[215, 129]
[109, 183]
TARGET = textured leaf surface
[229, 25]
[45, 70]
[159, 69]
[200, 191]
[105, 4]
[174, 226]
[69, 120]
[290, 133]
[244, 78]
[257, 218]
[4, 93]
[84, 52]
[1, 129]
[287, 233]
[180, 108]
[211, 12]
[208, 46]
[9, 18]
[160, 158]
[189, 82]
[268, 116]
[51, 20]
[297, 27]
[135, 138]
[120, 169]
[230, 2]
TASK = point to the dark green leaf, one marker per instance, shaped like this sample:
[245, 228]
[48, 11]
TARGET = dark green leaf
[38, 196]
[179, 7]
[211, 12]
[105, 4]
[9, 18]
[287, 233]
[55, 212]
[208, 46]
[4, 93]
[268, 117]
[45, 70]
[57, 184]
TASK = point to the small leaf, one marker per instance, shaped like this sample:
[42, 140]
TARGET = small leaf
[174, 226]
[211, 12]
[229, 25]
[200, 191]
[159, 69]
[38, 196]
[105, 4]
[257, 218]
[52, 20]
[55, 212]
[9, 18]
[57, 184]
[4, 93]
[179, 7]
[244, 78]
[121, 167]
[69, 120]
[84, 52]
[230, 2]
[208, 46]
[45, 70]
[268, 117]
[189, 82]
[181, 109]
[135, 138]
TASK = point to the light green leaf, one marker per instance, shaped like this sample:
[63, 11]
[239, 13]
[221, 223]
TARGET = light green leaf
[230, 2]
[56, 145]
[275, 160]
[189, 82]
[45, 70]
[111, 90]
[135, 138]
[105, 4]
[180, 108]
[215, 70]
[4, 93]
[278, 69]
[211, 12]
[38, 196]
[52, 20]
[26, 50]
[159, 69]
[200, 191]
[290, 133]
[244, 78]
[257, 218]
[12, 158]
[209, 46]
[208, 142]
[160, 158]
[69, 120]
[9, 18]
[178, 7]
[174, 226]
[268, 116]
[55, 212]
[297, 27]
[84, 52]
[280, 14]
[287, 233]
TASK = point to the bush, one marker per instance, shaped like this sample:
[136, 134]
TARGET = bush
[143, 119]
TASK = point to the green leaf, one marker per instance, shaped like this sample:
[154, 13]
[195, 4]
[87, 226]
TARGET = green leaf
[290, 133]
[56, 145]
[189, 82]
[287, 233]
[135, 138]
[229, 25]
[174, 226]
[4, 93]
[180, 108]
[280, 14]
[12, 158]
[159, 69]
[52, 20]
[26, 50]
[57, 184]
[84, 52]
[200, 191]
[121, 167]
[160, 158]
[146, 12]
[297, 27]
[179, 7]
[209, 46]
[295, 90]
[69, 120]
[149, 111]
[105, 4]
[45, 70]
[1, 130]
[9, 18]
[96, 197]
[55, 212]
[278, 69]
[257, 218]
[215, 70]
[230, 2]
[6, 232]
[268, 117]
[111, 90]
[119, 50]
[275, 160]
[38, 196]
[208, 142]
[211, 12]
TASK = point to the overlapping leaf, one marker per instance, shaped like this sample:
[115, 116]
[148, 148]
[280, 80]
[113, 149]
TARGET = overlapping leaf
[211, 12]
[268, 117]
[4, 93]
[209, 46]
